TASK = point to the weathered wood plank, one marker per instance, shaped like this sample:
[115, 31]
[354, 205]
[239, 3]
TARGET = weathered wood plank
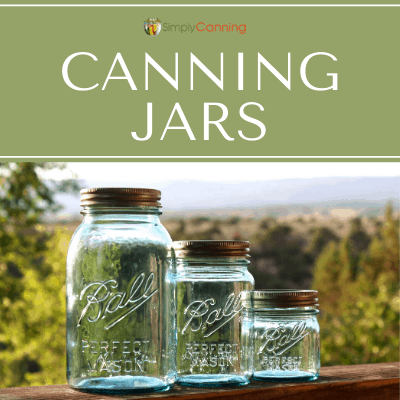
[355, 382]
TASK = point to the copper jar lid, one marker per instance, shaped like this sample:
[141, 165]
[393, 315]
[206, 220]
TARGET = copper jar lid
[120, 197]
[280, 298]
[211, 248]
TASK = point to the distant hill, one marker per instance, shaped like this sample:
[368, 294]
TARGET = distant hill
[366, 196]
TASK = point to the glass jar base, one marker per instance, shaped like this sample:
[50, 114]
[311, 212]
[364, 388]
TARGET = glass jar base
[122, 384]
[212, 380]
[283, 376]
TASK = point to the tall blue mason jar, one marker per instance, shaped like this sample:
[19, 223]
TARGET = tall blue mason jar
[213, 340]
[286, 334]
[121, 329]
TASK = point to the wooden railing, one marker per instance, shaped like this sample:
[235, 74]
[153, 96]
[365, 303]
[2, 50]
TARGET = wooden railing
[354, 382]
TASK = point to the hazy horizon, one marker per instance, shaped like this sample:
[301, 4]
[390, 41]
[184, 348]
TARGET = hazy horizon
[364, 194]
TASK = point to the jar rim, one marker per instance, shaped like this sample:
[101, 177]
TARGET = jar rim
[211, 248]
[120, 197]
[279, 298]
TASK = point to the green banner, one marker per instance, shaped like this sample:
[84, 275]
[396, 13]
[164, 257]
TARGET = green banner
[219, 83]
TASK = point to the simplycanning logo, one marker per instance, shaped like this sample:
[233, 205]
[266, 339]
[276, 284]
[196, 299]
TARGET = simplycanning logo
[204, 27]
[153, 26]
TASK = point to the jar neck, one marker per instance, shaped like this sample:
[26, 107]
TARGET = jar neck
[285, 312]
[137, 213]
[212, 264]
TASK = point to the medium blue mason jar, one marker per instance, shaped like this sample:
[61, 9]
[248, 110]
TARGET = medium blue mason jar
[286, 334]
[121, 329]
[213, 340]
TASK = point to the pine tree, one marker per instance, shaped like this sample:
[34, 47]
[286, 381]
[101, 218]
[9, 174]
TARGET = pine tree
[331, 275]
[320, 238]
[359, 298]
[32, 278]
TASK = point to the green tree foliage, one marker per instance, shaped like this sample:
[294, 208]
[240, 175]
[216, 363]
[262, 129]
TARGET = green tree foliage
[358, 237]
[234, 220]
[180, 232]
[359, 296]
[320, 238]
[197, 221]
[280, 243]
[211, 233]
[267, 222]
[32, 278]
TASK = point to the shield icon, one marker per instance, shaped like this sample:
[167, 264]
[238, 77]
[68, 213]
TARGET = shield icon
[152, 26]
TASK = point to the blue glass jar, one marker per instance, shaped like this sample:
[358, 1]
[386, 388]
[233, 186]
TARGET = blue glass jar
[213, 342]
[121, 330]
[286, 334]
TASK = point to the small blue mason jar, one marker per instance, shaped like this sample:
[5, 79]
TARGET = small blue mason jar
[286, 334]
[213, 340]
[121, 329]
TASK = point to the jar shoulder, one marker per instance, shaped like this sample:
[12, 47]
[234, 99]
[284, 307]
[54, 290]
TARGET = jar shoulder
[90, 236]
[116, 231]
[250, 277]
[278, 319]
[225, 276]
